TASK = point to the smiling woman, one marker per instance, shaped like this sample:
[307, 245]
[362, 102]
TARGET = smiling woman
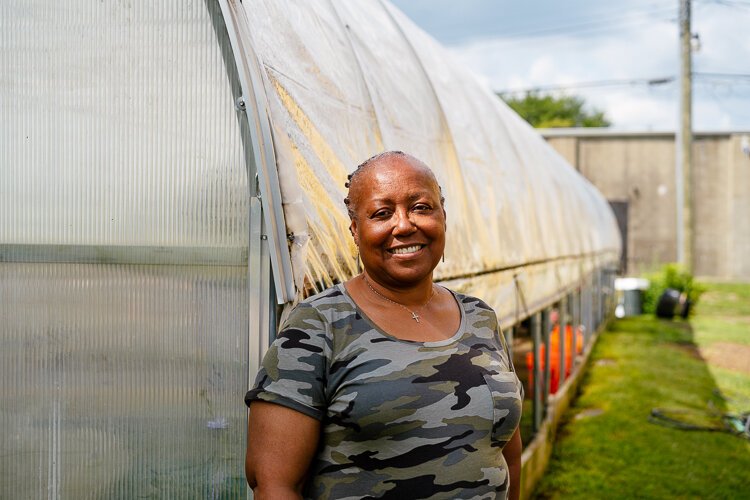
[388, 385]
[398, 225]
[398, 219]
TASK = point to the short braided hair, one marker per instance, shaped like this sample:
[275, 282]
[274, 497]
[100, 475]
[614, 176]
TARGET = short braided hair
[364, 166]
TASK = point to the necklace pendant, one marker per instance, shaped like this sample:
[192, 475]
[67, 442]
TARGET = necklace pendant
[415, 316]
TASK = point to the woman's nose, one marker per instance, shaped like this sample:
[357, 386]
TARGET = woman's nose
[404, 224]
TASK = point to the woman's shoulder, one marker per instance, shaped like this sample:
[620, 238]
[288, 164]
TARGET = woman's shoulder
[331, 295]
[472, 304]
[326, 305]
[478, 315]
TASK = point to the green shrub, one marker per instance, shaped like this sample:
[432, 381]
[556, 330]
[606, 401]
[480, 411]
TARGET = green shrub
[671, 276]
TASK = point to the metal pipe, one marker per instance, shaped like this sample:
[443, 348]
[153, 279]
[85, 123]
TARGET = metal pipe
[561, 341]
[546, 330]
[536, 372]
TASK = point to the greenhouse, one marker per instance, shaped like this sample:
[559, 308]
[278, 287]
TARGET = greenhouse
[172, 181]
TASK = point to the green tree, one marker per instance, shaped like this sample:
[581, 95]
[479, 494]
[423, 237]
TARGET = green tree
[546, 111]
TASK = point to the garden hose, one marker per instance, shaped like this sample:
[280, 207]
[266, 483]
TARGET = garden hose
[697, 420]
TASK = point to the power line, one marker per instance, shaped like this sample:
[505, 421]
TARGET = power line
[722, 76]
[653, 13]
[582, 85]
[598, 23]
[650, 82]
[729, 3]
[507, 42]
[599, 16]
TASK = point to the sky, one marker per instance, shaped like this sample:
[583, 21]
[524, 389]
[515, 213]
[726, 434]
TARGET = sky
[617, 46]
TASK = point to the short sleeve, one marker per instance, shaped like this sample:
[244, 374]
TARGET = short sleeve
[504, 345]
[293, 372]
[509, 356]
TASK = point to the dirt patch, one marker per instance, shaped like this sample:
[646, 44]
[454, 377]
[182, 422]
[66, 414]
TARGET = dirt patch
[589, 412]
[688, 348]
[728, 355]
[737, 320]
[715, 297]
[605, 362]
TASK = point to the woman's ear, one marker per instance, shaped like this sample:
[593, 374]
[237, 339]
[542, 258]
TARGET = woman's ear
[353, 230]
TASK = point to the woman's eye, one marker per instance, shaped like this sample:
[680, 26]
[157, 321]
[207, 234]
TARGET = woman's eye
[421, 208]
[381, 213]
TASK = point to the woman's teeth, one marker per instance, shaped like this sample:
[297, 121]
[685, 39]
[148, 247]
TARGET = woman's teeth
[410, 249]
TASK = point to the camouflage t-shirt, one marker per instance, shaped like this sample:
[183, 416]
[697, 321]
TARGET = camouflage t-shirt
[400, 419]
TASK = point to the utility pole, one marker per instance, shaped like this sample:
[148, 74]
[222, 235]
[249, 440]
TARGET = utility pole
[684, 145]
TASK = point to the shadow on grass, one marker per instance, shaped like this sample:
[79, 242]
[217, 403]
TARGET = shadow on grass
[607, 448]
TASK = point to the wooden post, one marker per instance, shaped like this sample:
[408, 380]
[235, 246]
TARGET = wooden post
[684, 145]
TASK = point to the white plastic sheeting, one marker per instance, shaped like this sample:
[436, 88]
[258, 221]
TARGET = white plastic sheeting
[347, 79]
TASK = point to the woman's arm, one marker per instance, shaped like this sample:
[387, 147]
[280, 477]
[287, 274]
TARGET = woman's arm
[281, 443]
[512, 454]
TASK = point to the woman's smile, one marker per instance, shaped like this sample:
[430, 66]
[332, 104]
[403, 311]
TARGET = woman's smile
[406, 250]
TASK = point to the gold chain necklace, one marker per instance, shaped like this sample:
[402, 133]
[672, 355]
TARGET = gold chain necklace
[414, 315]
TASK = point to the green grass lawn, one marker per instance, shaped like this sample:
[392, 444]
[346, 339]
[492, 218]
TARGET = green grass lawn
[641, 363]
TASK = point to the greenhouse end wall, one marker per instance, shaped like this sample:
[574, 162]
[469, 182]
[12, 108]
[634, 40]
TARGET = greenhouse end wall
[124, 229]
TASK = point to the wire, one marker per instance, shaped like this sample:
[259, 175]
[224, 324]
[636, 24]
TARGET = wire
[582, 85]
[510, 40]
[591, 25]
[722, 76]
[728, 3]
[597, 22]
[650, 82]
[737, 4]
[600, 16]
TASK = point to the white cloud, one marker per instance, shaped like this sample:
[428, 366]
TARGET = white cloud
[644, 50]
[724, 40]
[645, 112]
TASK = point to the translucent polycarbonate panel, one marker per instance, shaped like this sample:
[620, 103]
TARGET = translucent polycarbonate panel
[122, 381]
[117, 126]
[120, 144]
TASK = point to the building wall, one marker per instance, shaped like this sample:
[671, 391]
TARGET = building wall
[738, 194]
[640, 169]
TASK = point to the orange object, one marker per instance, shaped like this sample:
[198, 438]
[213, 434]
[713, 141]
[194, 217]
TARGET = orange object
[554, 358]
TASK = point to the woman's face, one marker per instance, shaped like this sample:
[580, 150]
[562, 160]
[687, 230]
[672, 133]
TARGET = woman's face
[399, 222]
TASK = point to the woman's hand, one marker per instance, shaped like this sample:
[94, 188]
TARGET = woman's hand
[512, 454]
[281, 443]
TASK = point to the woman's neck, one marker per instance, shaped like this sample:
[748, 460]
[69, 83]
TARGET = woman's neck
[413, 294]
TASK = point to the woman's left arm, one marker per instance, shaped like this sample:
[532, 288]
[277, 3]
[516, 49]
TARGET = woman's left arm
[512, 454]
